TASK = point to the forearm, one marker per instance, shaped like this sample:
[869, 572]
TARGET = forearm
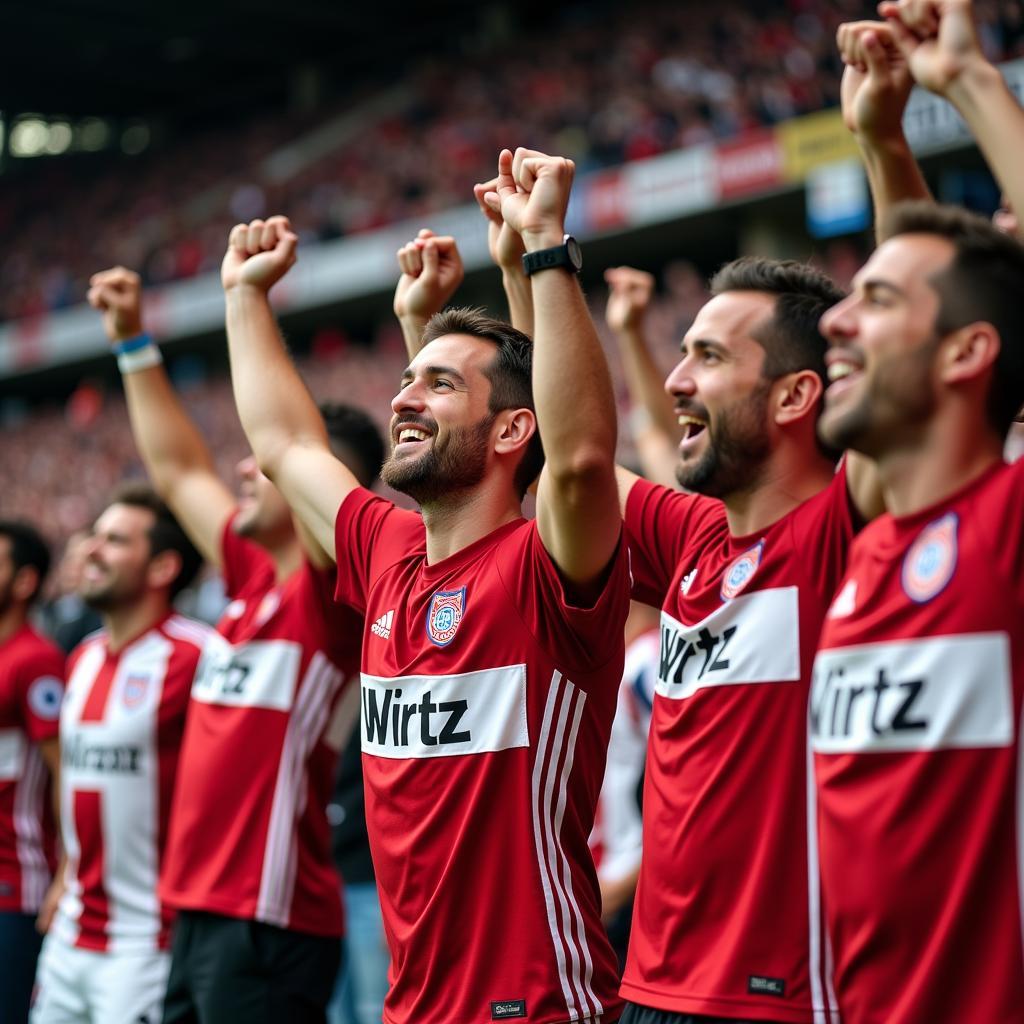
[167, 439]
[519, 295]
[572, 386]
[274, 405]
[996, 120]
[412, 333]
[894, 175]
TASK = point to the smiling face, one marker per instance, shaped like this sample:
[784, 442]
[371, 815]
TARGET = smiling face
[882, 348]
[721, 396]
[441, 430]
[117, 558]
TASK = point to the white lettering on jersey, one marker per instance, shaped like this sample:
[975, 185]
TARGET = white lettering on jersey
[755, 638]
[440, 716]
[12, 753]
[260, 673]
[934, 693]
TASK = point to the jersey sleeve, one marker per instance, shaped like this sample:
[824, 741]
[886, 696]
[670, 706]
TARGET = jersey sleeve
[1003, 519]
[657, 522]
[370, 534]
[241, 559]
[582, 639]
[41, 690]
[823, 528]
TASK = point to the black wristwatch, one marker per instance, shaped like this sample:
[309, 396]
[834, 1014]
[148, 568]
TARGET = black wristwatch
[566, 255]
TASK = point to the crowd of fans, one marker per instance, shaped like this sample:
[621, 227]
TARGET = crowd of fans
[610, 86]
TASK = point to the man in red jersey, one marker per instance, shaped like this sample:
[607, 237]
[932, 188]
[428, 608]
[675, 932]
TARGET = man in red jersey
[248, 860]
[106, 956]
[919, 681]
[493, 649]
[727, 922]
[31, 688]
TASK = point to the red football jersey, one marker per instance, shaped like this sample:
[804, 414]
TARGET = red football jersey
[31, 689]
[249, 835]
[487, 700]
[727, 920]
[915, 725]
[120, 736]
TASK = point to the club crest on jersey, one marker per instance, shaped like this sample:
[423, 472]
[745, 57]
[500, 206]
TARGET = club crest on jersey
[929, 564]
[135, 687]
[741, 572]
[444, 615]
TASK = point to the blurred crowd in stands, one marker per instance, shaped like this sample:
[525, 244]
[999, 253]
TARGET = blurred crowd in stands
[608, 87]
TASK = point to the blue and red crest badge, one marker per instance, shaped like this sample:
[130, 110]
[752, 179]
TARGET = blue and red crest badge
[929, 564]
[741, 572]
[135, 687]
[444, 615]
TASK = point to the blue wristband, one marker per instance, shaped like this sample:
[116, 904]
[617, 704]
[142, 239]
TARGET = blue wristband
[132, 344]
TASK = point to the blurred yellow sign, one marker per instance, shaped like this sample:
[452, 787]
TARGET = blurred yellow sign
[810, 141]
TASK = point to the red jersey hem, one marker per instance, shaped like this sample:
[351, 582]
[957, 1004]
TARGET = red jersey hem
[611, 1014]
[212, 906]
[717, 1006]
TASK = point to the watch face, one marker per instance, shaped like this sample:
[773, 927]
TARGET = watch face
[572, 248]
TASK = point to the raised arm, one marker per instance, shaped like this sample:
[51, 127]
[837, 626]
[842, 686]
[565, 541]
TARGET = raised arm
[652, 422]
[278, 414]
[577, 500]
[939, 40]
[506, 249]
[875, 88]
[431, 274]
[173, 451]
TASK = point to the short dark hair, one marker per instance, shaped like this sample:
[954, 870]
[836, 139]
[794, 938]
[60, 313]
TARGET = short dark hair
[510, 373]
[983, 282]
[27, 549]
[791, 338]
[355, 439]
[165, 534]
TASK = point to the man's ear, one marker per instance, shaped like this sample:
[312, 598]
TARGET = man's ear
[796, 395]
[163, 569]
[968, 352]
[25, 583]
[515, 428]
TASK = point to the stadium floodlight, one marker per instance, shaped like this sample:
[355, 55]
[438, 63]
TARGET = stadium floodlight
[58, 138]
[29, 136]
[135, 138]
[93, 134]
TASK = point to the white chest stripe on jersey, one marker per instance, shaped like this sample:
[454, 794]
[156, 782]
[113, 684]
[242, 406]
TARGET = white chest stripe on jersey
[12, 754]
[755, 638]
[934, 693]
[257, 674]
[441, 716]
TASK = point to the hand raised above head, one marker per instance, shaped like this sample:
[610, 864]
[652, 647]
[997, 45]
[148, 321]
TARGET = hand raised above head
[532, 195]
[259, 254]
[117, 293]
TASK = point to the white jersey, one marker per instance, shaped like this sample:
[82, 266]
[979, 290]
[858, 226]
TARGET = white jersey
[120, 731]
[617, 838]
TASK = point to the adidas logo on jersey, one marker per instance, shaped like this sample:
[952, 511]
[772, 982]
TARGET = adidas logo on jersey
[687, 581]
[382, 627]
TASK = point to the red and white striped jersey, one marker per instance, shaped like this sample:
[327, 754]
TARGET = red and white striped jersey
[727, 919]
[487, 700]
[617, 839]
[249, 834]
[916, 717]
[31, 688]
[120, 732]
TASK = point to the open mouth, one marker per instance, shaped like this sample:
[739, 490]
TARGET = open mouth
[842, 375]
[410, 435]
[692, 428]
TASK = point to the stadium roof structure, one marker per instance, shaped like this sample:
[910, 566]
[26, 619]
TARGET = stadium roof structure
[200, 58]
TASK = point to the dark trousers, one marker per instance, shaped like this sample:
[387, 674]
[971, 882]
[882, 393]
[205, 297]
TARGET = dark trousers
[19, 950]
[634, 1014]
[226, 971]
